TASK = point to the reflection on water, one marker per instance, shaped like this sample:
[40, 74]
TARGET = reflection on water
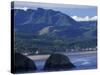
[84, 61]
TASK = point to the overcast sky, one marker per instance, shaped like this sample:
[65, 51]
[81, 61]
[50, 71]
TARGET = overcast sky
[71, 10]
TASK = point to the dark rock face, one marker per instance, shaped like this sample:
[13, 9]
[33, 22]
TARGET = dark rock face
[23, 64]
[58, 62]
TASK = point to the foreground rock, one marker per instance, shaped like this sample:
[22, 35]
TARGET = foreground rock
[23, 64]
[58, 62]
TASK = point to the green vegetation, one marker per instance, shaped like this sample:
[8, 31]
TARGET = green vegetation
[45, 45]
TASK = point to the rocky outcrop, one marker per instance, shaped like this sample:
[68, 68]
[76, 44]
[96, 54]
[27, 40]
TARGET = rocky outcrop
[23, 64]
[58, 62]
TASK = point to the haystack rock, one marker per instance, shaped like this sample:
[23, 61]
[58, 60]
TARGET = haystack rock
[58, 62]
[23, 64]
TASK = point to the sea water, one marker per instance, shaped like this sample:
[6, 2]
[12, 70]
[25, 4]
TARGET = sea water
[81, 61]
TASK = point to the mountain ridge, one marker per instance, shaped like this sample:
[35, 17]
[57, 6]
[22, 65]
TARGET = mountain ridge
[43, 28]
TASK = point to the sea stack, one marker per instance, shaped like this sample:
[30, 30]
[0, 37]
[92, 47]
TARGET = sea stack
[58, 62]
[23, 63]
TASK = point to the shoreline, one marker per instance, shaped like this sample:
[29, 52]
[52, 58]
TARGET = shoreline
[46, 56]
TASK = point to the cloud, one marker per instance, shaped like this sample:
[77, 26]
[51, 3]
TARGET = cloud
[86, 18]
[23, 8]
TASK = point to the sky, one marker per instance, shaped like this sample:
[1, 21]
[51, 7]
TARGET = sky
[71, 10]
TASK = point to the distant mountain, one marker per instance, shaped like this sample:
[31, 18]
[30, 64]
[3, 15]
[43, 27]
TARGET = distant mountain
[88, 23]
[47, 21]
[41, 18]
[51, 30]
